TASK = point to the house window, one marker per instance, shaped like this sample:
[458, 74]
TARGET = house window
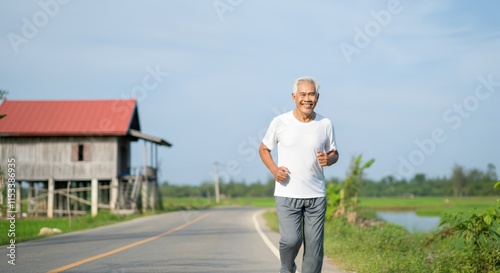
[80, 152]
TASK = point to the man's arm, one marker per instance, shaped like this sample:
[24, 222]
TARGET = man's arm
[279, 173]
[333, 157]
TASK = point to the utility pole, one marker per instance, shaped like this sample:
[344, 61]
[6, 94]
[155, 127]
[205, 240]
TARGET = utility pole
[216, 174]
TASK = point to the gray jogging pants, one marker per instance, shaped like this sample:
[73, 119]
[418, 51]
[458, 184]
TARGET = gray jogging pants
[301, 221]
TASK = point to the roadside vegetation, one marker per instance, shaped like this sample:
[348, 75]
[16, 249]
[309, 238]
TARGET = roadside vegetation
[466, 240]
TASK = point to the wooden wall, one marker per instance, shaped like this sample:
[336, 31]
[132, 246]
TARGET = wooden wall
[66, 158]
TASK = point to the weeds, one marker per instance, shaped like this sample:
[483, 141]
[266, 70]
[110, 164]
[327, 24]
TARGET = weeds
[473, 239]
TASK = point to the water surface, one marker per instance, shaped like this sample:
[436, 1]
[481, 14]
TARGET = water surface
[410, 220]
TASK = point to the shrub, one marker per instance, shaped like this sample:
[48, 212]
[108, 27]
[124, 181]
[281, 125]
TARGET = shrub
[474, 240]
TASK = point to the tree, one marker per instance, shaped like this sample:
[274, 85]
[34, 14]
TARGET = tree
[3, 94]
[491, 172]
[350, 189]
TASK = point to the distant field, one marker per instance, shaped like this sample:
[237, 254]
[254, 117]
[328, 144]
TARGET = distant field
[427, 205]
[422, 205]
[200, 202]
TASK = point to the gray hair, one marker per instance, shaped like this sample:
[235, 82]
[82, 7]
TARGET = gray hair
[305, 79]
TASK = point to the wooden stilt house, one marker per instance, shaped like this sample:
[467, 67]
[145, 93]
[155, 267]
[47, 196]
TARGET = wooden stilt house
[74, 156]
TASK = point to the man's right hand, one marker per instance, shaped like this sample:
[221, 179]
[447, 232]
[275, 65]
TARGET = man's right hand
[281, 174]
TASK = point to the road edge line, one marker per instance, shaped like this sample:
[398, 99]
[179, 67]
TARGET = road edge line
[264, 237]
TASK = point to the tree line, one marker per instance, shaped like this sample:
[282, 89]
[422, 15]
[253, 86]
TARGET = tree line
[231, 189]
[461, 182]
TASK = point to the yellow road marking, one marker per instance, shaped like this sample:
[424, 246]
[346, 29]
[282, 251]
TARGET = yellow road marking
[93, 258]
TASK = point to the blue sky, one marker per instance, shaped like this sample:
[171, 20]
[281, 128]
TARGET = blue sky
[413, 84]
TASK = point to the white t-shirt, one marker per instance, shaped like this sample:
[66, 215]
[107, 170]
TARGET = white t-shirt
[297, 145]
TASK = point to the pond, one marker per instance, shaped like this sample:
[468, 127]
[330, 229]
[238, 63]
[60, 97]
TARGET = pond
[410, 220]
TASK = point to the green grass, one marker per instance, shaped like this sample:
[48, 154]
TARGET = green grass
[262, 202]
[271, 220]
[28, 228]
[429, 206]
[422, 205]
[386, 248]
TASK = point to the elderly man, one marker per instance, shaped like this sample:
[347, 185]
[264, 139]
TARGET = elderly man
[306, 144]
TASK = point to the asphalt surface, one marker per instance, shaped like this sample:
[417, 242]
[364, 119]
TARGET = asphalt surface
[233, 239]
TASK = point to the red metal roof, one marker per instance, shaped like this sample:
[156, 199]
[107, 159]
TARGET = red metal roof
[68, 117]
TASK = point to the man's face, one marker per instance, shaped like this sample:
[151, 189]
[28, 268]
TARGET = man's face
[306, 97]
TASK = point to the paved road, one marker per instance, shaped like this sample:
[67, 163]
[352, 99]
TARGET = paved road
[215, 240]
